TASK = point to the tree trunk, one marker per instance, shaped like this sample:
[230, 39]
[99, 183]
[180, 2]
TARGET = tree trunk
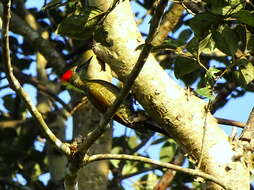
[95, 175]
[184, 116]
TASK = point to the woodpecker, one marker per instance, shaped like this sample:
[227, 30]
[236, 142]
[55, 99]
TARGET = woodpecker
[102, 95]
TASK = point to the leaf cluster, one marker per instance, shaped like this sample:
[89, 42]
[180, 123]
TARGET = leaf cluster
[214, 46]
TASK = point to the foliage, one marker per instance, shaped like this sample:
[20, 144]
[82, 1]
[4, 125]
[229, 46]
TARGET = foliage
[220, 32]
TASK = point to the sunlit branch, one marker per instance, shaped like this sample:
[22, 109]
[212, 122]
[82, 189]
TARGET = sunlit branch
[189, 171]
[94, 135]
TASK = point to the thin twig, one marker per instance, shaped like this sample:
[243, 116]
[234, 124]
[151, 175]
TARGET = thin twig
[10, 123]
[140, 145]
[19, 26]
[223, 121]
[14, 83]
[189, 171]
[221, 99]
[143, 170]
[78, 105]
[203, 135]
[34, 81]
[5, 86]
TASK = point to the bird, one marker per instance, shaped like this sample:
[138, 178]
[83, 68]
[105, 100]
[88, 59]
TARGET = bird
[102, 95]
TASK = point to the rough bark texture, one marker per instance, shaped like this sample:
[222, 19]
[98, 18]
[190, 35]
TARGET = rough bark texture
[95, 175]
[182, 115]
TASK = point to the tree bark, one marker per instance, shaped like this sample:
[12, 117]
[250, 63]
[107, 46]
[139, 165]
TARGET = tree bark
[95, 175]
[184, 116]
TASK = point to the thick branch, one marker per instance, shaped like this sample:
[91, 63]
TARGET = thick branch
[168, 104]
[169, 21]
[94, 135]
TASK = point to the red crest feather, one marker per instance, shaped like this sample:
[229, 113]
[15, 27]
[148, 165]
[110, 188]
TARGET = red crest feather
[66, 76]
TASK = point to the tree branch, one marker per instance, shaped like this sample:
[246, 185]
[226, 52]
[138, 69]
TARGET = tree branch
[35, 82]
[94, 135]
[189, 171]
[19, 26]
[166, 102]
[71, 177]
[14, 83]
[169, 175]
[223, 121]
[221, 99]
[248, 132]
[169, 21]
[11, 123]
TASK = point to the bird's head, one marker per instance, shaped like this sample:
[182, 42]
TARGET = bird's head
[67, 76]
[76, 74]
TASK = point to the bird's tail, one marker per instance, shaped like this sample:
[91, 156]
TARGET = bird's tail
[142, 122]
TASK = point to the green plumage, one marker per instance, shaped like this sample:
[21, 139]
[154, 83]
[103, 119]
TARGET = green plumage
[102, 95]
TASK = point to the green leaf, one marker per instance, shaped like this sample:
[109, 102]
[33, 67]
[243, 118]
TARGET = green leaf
[116, 150]
[184, 65]
[167, 151]
[210, 76]
[220, 43]
[226, 41]
[211, 73]
[152, 180]
[246, 70]
[205, 92]
[245, 16]
[24, 63]
[171, 43]
[231, 39]
[242, 36]
[147, 182]
[36, 171]
[9, 102]
[233, 7]
[185, 35]
[190, 78]
[129, 168]
[206, 45]
[93, 16]
[53, 4]
[133, 142]
[73, 27]
[216, 6]
[81, 27]
[203, 22]
[192, 45]
[250, 40]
